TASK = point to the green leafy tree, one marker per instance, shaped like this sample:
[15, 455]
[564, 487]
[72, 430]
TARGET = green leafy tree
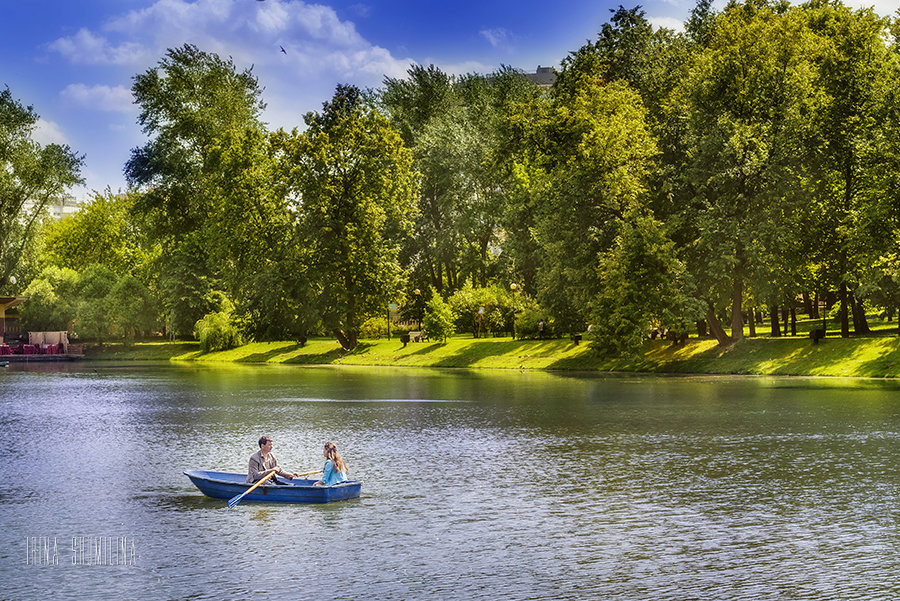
[592, 155]
[31, 176]
[218, 330]
[855, 71]
[189, 102]
[51, 301]
[94, 306]
[263, 261]
[744, 107]
[131, 308]
[355, 185]
[643, 284]
[101, 232]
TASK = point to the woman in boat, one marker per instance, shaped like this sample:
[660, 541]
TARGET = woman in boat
[335, 470]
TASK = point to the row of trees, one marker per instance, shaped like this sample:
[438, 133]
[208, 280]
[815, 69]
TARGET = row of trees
[666, 178]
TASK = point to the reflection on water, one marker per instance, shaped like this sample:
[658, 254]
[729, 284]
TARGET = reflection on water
[475, 485]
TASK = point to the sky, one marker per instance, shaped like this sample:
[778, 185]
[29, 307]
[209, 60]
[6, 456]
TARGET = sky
[73, 61]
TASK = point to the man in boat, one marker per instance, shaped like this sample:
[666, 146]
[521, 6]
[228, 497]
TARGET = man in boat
[263, 461]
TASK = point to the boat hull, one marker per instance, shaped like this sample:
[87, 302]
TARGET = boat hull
[225, 485]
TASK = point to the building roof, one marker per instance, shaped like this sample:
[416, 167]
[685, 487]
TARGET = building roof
[8, 302]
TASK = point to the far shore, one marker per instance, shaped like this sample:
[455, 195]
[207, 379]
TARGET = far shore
[877, 356]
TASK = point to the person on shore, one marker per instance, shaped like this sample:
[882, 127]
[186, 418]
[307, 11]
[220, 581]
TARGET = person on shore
[263, 461]
[335, 470]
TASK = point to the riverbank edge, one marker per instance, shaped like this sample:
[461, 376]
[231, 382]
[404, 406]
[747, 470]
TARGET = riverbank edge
[871, 357]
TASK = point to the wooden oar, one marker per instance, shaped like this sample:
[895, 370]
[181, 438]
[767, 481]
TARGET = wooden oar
[237, 498]
[309, 473]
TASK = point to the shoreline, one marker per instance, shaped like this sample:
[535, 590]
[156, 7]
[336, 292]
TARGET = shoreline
[875, 357]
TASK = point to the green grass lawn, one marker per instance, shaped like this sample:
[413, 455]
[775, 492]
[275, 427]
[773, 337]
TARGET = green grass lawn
[877, 355]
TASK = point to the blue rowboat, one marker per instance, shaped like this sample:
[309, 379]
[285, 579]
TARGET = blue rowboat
[225, 485]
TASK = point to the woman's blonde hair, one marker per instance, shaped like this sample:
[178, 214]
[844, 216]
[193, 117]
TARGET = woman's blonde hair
[331, 452]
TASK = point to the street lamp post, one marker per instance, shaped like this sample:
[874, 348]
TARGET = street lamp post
[513, 287]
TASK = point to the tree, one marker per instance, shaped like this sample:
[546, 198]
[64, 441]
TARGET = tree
[744, 108]
[100, 232]
[93, 307]
[354, 186]
[592, 155]
[131, 307]
[855, 72]
[31, 176]
[643, 283]
[188, 104]
[51, 300]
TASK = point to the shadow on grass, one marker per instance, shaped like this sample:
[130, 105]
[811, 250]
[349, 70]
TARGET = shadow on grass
[328, 357]
[271, 354]
[476, 351]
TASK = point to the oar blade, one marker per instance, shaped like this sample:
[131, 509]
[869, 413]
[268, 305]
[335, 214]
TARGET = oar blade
[235, 500]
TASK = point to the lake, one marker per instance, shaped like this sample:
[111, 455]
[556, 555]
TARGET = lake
[476, 485]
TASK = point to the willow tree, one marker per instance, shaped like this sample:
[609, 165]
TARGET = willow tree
[352, 184]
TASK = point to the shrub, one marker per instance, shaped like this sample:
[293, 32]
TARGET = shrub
[439, 318]
[499, 305]
[374, 327]
[527, 323]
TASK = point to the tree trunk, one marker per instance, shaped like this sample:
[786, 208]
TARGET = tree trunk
[793, 321]
[701, 329]
[752, 322]
[347, 339]
[807, 305]
[845, 325]
[716, 327]
[737, 295]
[860, 324]
[773, 320]
[784, 317]
[815, 313]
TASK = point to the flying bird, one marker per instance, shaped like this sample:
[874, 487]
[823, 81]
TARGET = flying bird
[282, 49]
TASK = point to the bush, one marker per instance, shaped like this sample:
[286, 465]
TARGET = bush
[374, 327]
[527, 323]
[439, 318]
[499, 305]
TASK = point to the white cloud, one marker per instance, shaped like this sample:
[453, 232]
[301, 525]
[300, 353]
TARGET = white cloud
[667, 22]
[48, 132]
[317, 42]
[85, 48]
[885, 8]
[104, 98]
[497, 36]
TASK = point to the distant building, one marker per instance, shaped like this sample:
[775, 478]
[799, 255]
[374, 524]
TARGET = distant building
[56, 208]
[63, 206]
[543, 77]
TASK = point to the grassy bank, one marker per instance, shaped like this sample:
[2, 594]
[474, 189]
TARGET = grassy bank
[876, 356]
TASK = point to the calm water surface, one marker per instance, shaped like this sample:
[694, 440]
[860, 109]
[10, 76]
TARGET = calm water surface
[475, 485]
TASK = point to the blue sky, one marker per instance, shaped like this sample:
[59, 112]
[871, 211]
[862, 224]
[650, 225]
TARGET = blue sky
[73, 60]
